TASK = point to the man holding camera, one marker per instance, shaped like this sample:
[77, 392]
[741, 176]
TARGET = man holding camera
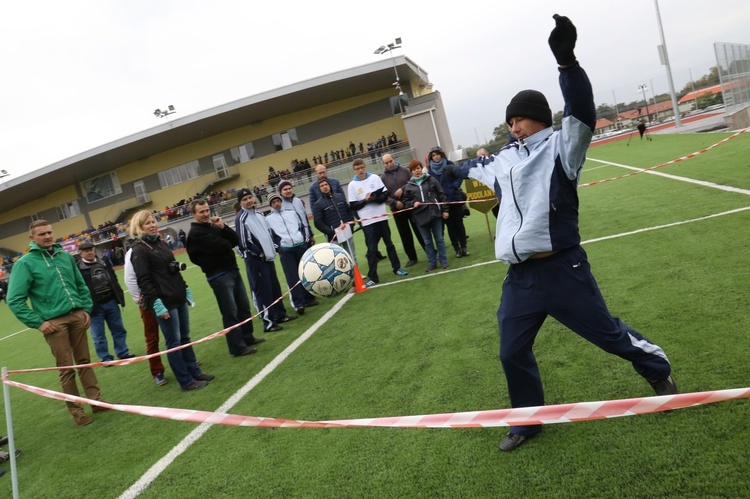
[210, 245]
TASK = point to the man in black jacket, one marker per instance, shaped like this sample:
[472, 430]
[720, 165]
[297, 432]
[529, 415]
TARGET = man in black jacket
[108, 298]
[330, 212]
[210, 246]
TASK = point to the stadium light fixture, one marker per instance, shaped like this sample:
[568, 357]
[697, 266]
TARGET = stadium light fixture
[161, 114]
[390, 48]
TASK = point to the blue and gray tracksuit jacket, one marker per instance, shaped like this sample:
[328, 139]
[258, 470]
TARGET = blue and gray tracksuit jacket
[536, 180]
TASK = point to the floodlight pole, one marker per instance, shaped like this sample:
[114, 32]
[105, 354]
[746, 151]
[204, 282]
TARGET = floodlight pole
[642, 87]
[665, 61]
[390, 48]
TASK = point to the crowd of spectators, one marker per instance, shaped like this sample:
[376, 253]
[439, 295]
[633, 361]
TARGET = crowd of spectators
[298, 171]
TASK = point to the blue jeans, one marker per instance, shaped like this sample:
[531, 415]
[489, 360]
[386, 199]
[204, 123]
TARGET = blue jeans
[109, 312]
[231, 295]
[176, 331]
[434, 229]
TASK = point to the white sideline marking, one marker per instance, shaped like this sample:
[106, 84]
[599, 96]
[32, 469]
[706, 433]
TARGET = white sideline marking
[153, 472]
[676, 177]
[13, 334]
[161, 465]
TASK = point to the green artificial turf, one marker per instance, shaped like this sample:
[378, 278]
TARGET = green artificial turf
[429, 345]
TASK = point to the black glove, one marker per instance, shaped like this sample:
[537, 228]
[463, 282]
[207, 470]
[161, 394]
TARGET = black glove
[562, 40]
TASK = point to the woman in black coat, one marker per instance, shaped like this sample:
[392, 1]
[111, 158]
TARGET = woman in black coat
[425, 195]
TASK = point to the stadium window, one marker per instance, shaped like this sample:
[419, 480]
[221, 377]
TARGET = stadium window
[68, 210]
[179, 174]
[285, 140]
[102, 187]
[247, 152]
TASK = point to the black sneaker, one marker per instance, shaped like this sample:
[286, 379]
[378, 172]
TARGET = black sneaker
[273, 329]
[206, 376]
[195, 385]
[300, 310]
[512, 441]
[665, 386]
[288, 318]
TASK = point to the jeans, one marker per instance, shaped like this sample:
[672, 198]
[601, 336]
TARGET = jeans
[176, 331]
[231, 295]
[434, 229]
[109, 312]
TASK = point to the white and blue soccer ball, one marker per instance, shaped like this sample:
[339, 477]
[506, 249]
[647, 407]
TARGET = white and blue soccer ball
[326, 270]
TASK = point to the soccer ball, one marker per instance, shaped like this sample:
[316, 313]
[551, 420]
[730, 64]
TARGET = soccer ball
[326, 270]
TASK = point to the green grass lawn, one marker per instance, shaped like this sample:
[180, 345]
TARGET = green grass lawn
[430, 345]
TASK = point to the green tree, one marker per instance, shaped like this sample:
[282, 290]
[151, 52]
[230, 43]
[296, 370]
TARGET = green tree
[605, 111]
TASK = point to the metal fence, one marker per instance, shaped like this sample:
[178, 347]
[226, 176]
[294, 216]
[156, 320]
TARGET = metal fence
[733, 61]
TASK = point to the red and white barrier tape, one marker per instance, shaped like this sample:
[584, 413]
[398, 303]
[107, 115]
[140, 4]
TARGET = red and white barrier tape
[550, 414]
[141, 358]
[683, 158]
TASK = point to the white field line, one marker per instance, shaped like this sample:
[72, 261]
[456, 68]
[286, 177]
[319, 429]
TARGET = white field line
[161, 465]
[13, 334]
[153, 472]
[676, 177]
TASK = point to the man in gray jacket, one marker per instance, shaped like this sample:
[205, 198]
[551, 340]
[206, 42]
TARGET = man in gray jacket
[536, 179]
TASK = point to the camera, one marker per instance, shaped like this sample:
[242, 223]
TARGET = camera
[175, 266]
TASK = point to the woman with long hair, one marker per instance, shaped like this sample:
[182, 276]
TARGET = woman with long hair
[164, 291]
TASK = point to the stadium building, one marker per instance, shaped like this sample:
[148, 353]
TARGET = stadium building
[228, 147]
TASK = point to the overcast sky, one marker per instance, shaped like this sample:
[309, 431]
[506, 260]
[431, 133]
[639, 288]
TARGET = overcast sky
[80, 73]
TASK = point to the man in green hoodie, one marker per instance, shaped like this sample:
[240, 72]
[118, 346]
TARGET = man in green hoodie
[60, 305]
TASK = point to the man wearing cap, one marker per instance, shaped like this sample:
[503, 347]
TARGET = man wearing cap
[210, 244]
[395, 177]
[536, 179]
[108, 298]
[289, 234]
[322, 173]
[47, 277]
[257, 249]
[291, 202]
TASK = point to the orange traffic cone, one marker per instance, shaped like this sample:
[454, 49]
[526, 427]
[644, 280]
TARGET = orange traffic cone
[359, 282]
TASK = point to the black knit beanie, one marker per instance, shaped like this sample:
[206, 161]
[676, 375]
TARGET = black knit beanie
[529, 104]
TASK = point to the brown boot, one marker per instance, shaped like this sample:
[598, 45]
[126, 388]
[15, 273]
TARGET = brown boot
[81, 419]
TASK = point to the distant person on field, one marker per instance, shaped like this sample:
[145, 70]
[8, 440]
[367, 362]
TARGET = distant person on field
[48, 279]
[536, 180]
[641, 128]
